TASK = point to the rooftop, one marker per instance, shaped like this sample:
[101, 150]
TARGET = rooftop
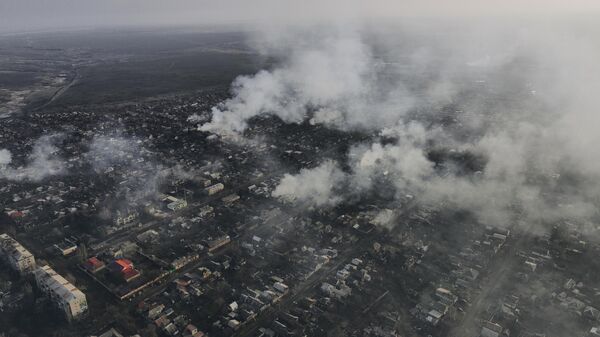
[58, 284]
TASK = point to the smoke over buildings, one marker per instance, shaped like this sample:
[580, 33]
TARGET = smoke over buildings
[315, 187]
[331, 78]
[506, 101]
[129, 154]
[5, 157]
[39, 164]
[325, 168]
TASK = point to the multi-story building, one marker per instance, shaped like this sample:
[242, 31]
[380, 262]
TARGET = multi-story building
[214, 189]
[127, 218]
[19, 258]
[64, 294]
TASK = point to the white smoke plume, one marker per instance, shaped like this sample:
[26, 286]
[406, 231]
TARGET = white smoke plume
[522, 102]
[384, 218]
[5, 157]
[314, 187]
[42, 162]
[331, 80]
[107, 151]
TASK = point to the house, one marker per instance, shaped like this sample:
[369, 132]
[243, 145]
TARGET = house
[230, 198]
[66, 247]
[192, 331]
[94, 265]
[172, 202]
[155, 311]
[591, 313]
[124, 219]
[171, 329]
[281, 287]
[490, 329]
[338, 292]
[124, 268]
[234, 324]
[214, 189]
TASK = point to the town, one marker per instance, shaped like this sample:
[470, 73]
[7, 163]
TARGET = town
[127, 218]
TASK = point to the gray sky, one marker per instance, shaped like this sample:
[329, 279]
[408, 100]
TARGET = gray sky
[25, 15]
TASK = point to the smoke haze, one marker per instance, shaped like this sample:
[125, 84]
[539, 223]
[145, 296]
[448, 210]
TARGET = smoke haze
[490, 106]
[40, 163]
[57, 14]
[315, 187]
[517, 102]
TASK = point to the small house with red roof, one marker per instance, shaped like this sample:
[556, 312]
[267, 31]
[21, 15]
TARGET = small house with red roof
[124, 268]
[94, 265]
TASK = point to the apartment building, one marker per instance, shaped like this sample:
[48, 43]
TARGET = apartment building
[19, 258]
[62, 293]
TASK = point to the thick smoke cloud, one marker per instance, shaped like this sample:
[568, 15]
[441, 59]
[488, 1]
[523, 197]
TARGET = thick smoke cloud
[5, 157]
[332, 79]
[42, 162]
[520, 104]
[314, 187]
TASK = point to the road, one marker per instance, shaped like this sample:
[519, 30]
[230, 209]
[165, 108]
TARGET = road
[501, 268]
[60, 91]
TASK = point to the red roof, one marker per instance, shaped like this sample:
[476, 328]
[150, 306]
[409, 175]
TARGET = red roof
[130, 274]
[16, 214]
[125, 264]
[93, 263]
